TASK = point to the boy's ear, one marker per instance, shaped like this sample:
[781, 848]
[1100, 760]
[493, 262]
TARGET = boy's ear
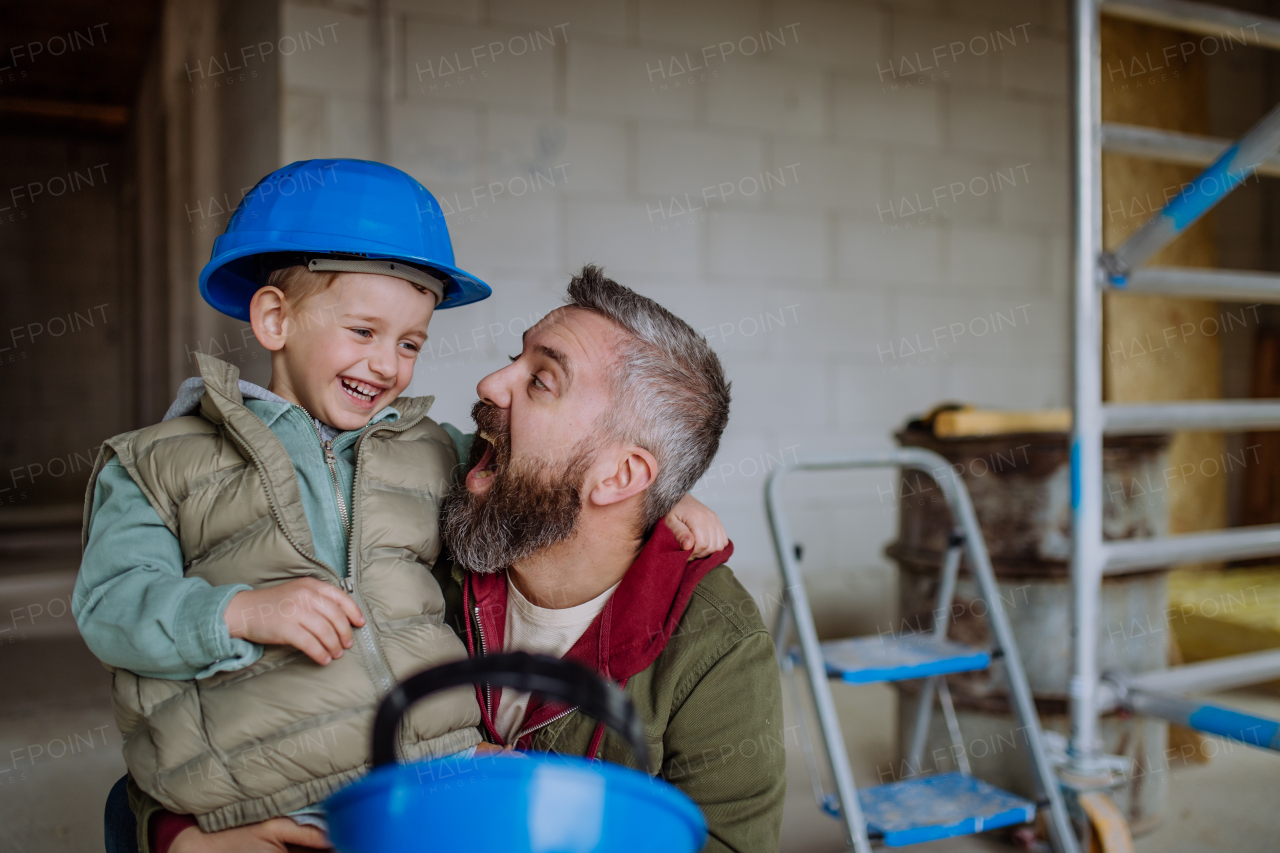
[268, 315]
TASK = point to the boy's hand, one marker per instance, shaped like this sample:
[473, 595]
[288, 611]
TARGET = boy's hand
[696, 528]
[312, 616]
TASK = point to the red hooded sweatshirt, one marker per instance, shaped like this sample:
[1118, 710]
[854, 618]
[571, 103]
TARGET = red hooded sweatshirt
[628, 635]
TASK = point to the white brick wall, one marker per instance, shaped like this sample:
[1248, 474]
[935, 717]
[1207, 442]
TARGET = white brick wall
[479, 65]
[605, 78]
[766, 96]
[808, 289]
[596, 17]
[340, 65]
[671, 162]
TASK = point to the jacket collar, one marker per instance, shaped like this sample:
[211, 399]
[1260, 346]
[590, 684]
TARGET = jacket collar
[223, 405]
[628, 635]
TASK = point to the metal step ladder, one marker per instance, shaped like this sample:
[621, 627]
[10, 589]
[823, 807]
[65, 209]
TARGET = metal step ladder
[1227, 164]
[922, 808]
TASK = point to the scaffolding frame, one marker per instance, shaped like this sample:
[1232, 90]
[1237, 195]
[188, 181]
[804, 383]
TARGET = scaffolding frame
[1228, 165]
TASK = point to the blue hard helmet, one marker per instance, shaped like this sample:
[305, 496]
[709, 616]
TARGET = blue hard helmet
[348, 209]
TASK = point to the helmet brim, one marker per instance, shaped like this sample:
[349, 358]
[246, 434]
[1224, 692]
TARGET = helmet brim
[229, 281]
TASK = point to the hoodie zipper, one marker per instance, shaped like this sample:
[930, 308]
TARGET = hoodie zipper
[546, 723]
[331, 459]
[331, 462]
[488, 697]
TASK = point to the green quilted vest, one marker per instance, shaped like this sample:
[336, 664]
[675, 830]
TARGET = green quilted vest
[244, 746]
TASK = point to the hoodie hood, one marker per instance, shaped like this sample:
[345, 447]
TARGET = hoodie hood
[187, 402]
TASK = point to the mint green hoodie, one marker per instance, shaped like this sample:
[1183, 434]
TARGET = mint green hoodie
[135, 608]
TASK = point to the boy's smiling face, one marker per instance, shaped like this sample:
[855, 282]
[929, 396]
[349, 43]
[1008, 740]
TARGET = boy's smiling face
[346, 352]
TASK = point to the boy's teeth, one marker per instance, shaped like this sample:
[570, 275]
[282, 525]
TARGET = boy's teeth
[368, 392]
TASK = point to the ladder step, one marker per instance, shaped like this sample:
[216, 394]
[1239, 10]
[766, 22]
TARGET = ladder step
[934, 807]
[1214, 415]
[1227, 285]
[1239, 543]
[1171, 146]
[1202, 18]
[871, 660]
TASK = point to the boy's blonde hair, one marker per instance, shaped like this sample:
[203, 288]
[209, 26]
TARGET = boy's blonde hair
[298, 283]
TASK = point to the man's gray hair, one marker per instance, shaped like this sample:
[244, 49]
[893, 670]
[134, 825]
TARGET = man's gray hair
[673, 399]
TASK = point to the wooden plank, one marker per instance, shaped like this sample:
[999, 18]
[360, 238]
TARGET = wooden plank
[957, 423]
[1227, 25]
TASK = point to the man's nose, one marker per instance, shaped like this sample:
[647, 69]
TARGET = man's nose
[495, 389]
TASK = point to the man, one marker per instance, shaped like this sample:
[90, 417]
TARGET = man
[611, 412]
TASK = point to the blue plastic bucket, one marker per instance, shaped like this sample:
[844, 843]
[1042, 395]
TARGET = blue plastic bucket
[537, 804]
[533, 803]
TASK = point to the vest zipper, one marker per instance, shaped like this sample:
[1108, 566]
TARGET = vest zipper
[275, 511]
[379, 671]
[385, 679]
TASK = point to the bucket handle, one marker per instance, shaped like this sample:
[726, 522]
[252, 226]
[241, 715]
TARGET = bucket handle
[552, 678]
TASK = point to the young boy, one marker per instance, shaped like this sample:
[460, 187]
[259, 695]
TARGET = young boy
[256, 567]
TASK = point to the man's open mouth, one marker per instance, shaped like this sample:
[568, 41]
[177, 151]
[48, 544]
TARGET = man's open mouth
[361, 392]
[488, 464]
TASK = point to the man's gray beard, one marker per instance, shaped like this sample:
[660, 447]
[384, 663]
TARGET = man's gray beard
[522, 513]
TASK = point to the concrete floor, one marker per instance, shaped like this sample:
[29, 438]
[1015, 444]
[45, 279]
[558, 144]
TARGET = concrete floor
[59, 746]
[60, 753]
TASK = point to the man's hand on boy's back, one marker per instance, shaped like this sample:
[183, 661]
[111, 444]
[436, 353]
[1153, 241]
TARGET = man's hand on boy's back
[272, 836]
[312, 616]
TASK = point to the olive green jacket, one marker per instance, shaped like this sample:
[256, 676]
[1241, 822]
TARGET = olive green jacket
[688, 643]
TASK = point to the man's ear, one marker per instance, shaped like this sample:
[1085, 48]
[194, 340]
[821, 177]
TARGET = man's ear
[631, 471]
[269, 317]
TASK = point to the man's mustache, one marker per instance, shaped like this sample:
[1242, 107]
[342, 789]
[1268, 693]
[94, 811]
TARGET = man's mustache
[496, 427]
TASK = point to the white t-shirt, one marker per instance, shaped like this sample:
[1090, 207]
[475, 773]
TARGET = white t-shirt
[540, 630]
